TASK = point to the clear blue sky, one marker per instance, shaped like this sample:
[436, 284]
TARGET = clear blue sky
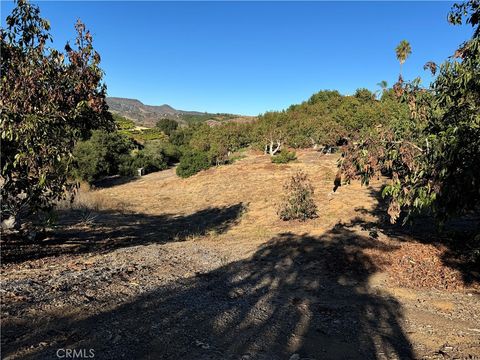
[250, 57]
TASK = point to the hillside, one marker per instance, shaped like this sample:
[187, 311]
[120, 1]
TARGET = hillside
[202, 268]
[148, 115]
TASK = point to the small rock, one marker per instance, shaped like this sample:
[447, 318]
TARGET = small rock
[295, 357]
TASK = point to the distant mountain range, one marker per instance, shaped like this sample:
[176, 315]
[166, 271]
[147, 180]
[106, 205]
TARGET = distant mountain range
[148, 115]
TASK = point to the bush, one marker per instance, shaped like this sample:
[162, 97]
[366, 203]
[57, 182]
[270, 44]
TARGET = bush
[284, 157]
[192, 162]
[182, 136]
[101, 155]
[151, 157]
[170, 152]
[168, 126]
[156, 155]
[298, 201]
[127, 166]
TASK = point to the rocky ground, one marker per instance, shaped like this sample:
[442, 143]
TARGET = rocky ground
[163, 268]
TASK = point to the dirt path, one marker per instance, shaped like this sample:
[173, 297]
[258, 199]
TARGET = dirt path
[202, 269]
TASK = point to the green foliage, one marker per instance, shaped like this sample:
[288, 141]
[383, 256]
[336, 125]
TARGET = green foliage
[147, 135]
[192, 162]
[168, 126]
[151, 157]
[219, 141]
[123, 123]
[326, 119]
[50, 99]
[403, 51]
[324, 96]
[203, 146]
[102, 155]
[170, 152]
[156, 155]
[298, 203]
[182, 136]
[453, 131]
[434, 158]
[127, 166]
[143, 135]
[284, 157]
[270, 131]
[364, 95]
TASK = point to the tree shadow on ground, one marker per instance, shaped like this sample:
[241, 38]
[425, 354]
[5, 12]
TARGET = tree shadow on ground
[460, 235]
[115, 180]
[297, 294]
[100, 231]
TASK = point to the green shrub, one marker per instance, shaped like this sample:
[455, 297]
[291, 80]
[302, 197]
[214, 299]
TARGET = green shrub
[127, 166]
[148, 135]
[298, 201]
[192, 162]
[284, 157]
[101, 155]
[168, 126]
[123, 123]
[155, 155]
[151, 158]
[171, 153]
[182, 136]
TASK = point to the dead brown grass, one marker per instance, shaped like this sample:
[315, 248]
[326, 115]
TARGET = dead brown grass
[254, 181]
[258, 183]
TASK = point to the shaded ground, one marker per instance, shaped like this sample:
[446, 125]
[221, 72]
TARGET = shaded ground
[107, 230]
[166, 268]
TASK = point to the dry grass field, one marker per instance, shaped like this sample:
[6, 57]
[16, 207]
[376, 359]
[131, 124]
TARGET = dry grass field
[202, 268]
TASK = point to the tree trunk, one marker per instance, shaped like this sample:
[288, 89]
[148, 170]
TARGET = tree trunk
[274, 151]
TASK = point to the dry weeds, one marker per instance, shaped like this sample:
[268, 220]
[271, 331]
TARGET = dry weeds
[257, 183]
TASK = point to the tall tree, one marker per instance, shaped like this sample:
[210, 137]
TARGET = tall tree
[49, 100]
[383, 86]
[403, 51]
[433, 159]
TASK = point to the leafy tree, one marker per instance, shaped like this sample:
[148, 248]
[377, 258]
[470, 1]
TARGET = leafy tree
[101, 155]
[434, 159]
[192, 162]
[168, 126]
[364, 95]
[324, 96]
[170, 152]
[326, 120]
[181, 137]
[152, 157]
[271, 132]
[403, 51]
[383, 87]
[50, 99]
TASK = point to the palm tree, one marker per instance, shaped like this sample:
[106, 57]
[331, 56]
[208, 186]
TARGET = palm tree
[403, 50]
[383, 86]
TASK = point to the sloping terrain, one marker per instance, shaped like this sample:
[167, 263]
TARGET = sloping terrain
[201, 268]
[148, 115]
[145, 115]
